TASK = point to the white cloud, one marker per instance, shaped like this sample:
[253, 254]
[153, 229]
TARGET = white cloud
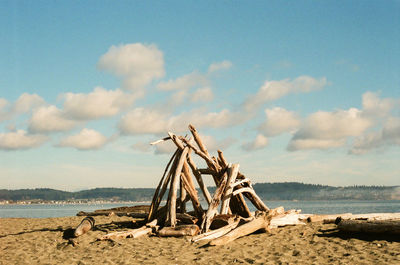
[272, 90]
[20, 140]
[3, 112]
[97, 104]
[50, 119]
[258, 143]
[87, 139]
[214, 144]
[373, 106]
[389, 135]
[184, 82]
[323, 130]
[167, 147]
[26, 102]
[138, 64]
[203, 94]
[219, 66]
[144, 121]
[154, 121]
[278, 121]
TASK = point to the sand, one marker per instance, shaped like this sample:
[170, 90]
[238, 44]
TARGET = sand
[40, 241]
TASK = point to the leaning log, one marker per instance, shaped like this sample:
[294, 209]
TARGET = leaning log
[370, 227]
[174, 188]
[179, 230]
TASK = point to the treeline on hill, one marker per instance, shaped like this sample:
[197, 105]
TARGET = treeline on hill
[267, 191]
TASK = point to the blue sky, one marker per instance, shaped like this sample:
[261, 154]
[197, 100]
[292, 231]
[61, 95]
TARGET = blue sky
[292, 90]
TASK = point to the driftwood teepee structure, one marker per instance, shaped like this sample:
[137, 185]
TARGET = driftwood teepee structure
[231, 186]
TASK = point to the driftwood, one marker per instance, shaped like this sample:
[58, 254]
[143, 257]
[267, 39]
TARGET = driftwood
[185, 218]
[231, 189]
[232, 174]
[212, 234]
[331, 218]
[179, 230]
[174, 187]
[133, 233]
[222, 220]
[286, 219]
[370, 227]
[259, 222]
[213, 208]
[327, 218]
[86, 224]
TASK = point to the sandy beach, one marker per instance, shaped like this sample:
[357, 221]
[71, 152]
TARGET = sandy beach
[40, 241]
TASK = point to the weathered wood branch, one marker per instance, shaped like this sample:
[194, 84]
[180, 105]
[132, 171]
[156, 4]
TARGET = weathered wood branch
[213, 207]
[199, 179]
[154, 201]
[174, 188]
[164, 187]
[232, 173]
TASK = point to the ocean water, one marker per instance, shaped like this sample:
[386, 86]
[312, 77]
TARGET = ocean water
[315, 207]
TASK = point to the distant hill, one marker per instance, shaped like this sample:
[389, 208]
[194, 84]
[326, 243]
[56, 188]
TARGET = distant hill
[267, 191]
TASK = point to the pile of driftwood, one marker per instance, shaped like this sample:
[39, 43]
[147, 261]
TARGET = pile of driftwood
[227, 215]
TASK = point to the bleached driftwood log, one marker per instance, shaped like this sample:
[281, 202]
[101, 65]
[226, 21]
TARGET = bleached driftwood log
[370, 227]
[174, 188]
[292, 218]
[331, 218]
[179, 230]
[86, 224]
[132, 233]
[260, 222]
[232, 174]
[159, 195]
[213, 207]
[217, 232]
[327, 218]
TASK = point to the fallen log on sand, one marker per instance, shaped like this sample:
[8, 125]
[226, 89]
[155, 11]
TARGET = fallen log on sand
[86, 225]
[260, 222]
[133, 233]
[179, 230]
[331, 218]
[370, 227]
[217, 232]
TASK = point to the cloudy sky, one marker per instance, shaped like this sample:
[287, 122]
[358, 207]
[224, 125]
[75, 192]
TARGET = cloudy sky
[303, 91]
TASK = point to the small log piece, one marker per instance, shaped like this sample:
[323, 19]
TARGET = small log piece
[179, 230]
[86, 224]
